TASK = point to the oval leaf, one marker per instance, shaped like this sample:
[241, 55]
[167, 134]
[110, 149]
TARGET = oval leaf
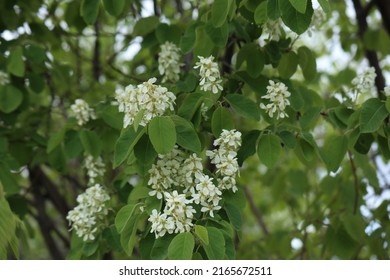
[269, 149]
[123, 217]
[114, 7]
[296, 21]
[202, 234]
[221, 119]
[125, 144]
[334, 151]
[89, 10]
[215, 250]
[372, 115]
[181, 247]
[162, 134]
[10, 98]
[244, 106]
[219, 12]
[186, 134]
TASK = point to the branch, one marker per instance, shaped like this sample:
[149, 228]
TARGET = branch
[255, 211]
[371, 56]
[356, 183]
[96, 54]
[384, 9]
[157, 11]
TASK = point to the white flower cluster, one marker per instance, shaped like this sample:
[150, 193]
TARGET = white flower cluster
[88, 216]
[95, 168]
[273, 28]
[387, 91]
[278, 94]
[4, 78]
[179, 179]
[318, 19]
[82, 112]
[152, 99]
[168, 62]
[210, 78]
[364, 81]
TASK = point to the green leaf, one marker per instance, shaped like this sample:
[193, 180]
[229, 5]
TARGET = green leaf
[89, 10]
[144, 151]
[309, 118]
[123, 216]
[220, 120]
[114, 7]
[307, 62]
[145, 26]
[334, 151]
[234, 215]
[355, 226]
[203, 44]
[269, 149]
[218, 35]
[168, 33]
[7, 224]
[186, 134]
[325, 6]
[295, 20]
[202, 234]
[160, 247]
[288, 65]
[55, 140]
[181, 247]
[128, 236]
[299, 5]
[372, 115]
[15, 61]
[244, 106]
[111, 116]
[10, 98]
[219, 12]
[125, 144]
[215, 250]
[248, 146]
[91, 142]
[273, 11]
[254, 58]
[260, 15]
[7, 180]
[187, 41]
[190, 105]
[162, 134]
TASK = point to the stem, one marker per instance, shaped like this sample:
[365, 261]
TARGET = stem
[255, 211]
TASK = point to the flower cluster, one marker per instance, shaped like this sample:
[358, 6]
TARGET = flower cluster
[88, 216]
[278, 94]
[317, 21]
[168, 62]
[179, 179]
[95, 168]
[210, 78]
[82, 112]
[4, 78]
[147, 99]
[273, 28]
[364, 81]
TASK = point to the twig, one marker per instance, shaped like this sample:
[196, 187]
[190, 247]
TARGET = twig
[96, 54]
[255, 211]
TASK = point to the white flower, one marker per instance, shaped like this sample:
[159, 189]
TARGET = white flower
[4, 78]
[278, 94]
[82, 112]
[273, 28]
[229, 139]
[365, 80]
[95, 168]
[168, 62]
[317, 21]
[88, 216]
[387, 91]
[210, 78]
[147, 99]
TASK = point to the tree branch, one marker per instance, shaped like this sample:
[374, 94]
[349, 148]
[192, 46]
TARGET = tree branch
[255, 211]
[384, 9]
[96, 54]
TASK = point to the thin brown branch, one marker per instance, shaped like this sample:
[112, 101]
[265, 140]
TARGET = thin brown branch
[96, 54]
[255, 211]
[384, 9]
[355, 182]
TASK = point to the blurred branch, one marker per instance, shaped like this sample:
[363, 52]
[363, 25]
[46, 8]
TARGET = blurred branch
[157, 11]
[372, 57]
[255, 211]
[384, 9]
[96, 54]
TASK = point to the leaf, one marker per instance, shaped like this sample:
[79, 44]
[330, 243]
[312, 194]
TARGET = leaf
[187, 41]
[334, 151]
[10, 98]
[160, 247]
[215, 250]
[123, 216]
[254, 58]
[248, 146]
[7, 180]
[168, 33]
[307, 62]
[269, 149]
[260, 15]
[190, 105]
[203, 44]
[219, 12]
[288, 65]
[355, 226]
[144, 151]
[111, 116]
[202, 234]
[220, 120]
[7, 224]
[125, 144]
[128, 236]
[114, 7]
[55, 140]
[162, 134]
[15, 61]
[181, 247]
[234, 215]
[372, 115]
[91, 142]
[145, 26]
[299, 5]
[295, 20]
[244, 106]
[325, 6]
[273, 11]
[218, 35]
[89, 10]
[186, 134]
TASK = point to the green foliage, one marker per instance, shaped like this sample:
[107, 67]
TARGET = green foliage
[162, 134]
[10, 98]
[269, 149]
[181, 247]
